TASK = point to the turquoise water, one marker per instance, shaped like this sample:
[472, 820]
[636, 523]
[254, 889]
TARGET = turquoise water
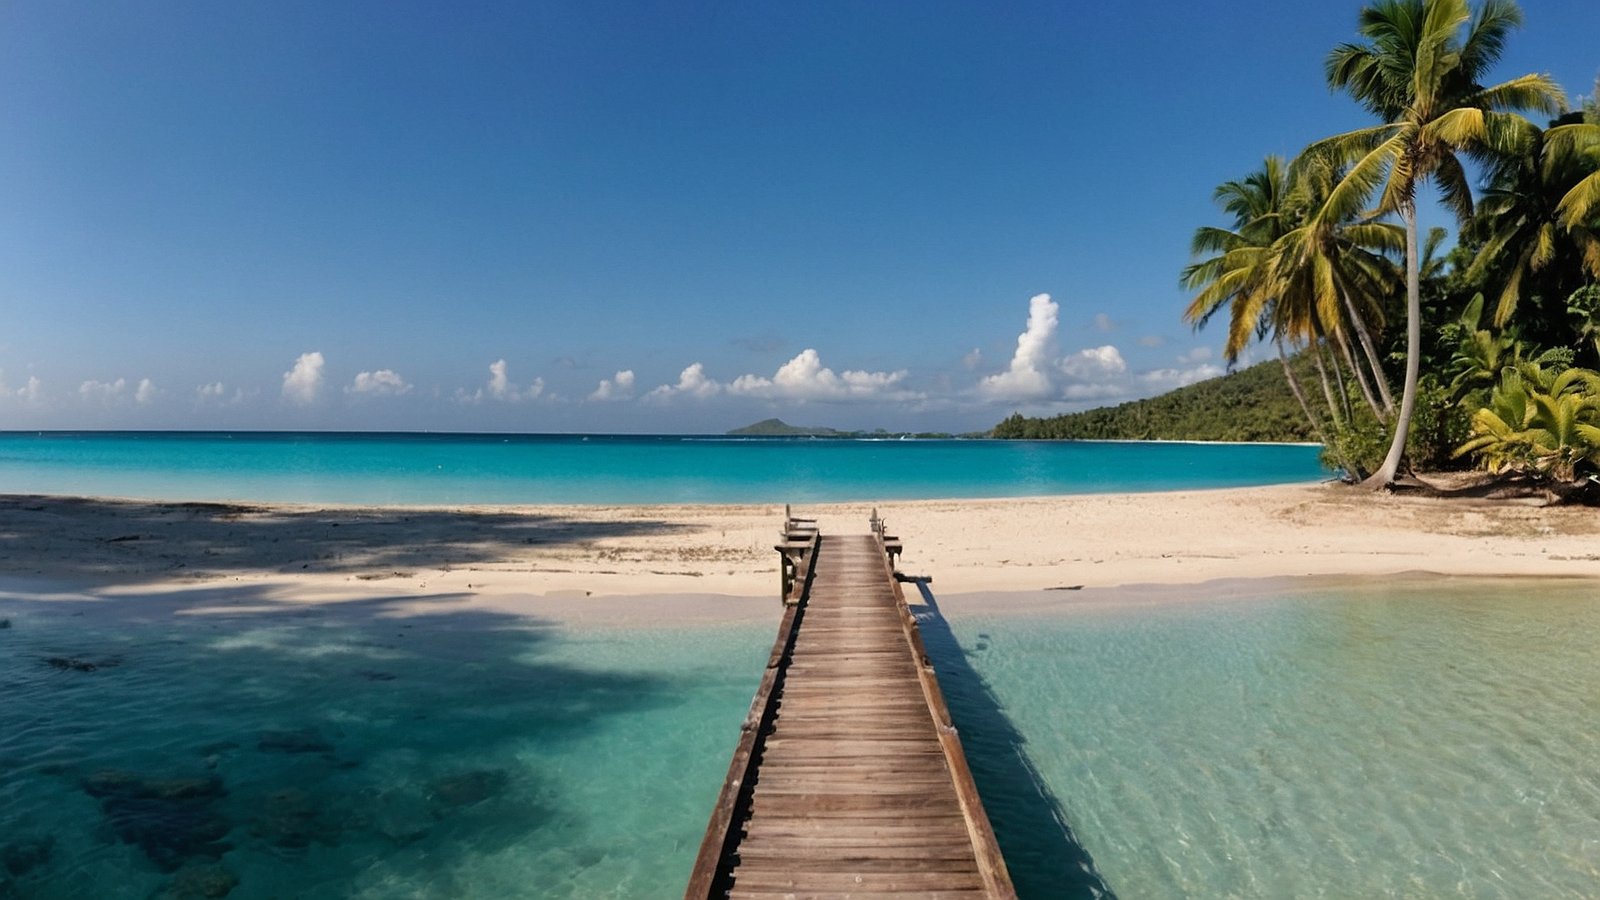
[341, 754]
[1417, 740]
[1404, 741]
[443, 469]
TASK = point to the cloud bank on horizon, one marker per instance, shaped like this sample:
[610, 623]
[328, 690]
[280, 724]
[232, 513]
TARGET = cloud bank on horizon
[1039, 378]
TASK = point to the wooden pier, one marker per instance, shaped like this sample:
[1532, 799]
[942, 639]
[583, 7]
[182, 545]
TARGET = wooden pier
[848, 779]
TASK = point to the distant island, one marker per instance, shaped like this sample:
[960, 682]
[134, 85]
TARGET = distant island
[780, 428]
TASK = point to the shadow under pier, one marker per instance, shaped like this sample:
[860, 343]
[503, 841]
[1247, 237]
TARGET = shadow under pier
[1043, 854]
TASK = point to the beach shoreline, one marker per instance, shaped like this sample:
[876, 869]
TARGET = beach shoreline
[657, 564]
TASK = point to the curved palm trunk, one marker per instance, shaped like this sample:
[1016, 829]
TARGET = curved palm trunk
[1371, 352]
[1343, 390]
[1327, 389]
[1385, 476]
[1361, 377]
[1300, 395]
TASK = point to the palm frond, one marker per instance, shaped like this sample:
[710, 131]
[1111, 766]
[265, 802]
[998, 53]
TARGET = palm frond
[1460, 127]
[1580, 206]
[1434, 53]
[1386, 160]
[1455, 191]
[1533, 93]
[1486, 39]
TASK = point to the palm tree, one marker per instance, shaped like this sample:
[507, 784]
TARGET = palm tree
[1236, 276]
[1534, 218]
[1339, 271]
[1574, 150]
[1279, 277]
[1420, 75]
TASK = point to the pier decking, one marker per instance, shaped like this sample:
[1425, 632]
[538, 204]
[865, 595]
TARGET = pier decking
[848, 779]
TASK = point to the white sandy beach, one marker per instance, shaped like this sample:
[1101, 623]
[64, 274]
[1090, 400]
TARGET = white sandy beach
[705, 563]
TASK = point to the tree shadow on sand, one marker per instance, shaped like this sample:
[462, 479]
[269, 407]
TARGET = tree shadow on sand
[140, 540]
[193, 748]
[1041, 851]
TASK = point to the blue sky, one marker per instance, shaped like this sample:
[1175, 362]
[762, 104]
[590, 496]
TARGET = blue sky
[590, 216]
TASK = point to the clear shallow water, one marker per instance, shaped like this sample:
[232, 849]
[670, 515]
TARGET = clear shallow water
[326, 755]
[1416, 741]
[1409, 741]
[433, 469]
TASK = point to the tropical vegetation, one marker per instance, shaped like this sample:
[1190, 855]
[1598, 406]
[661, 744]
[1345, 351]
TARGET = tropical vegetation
[1251, 404]
[1495, 340]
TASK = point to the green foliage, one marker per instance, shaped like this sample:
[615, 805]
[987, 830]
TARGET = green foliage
[1584, 305]
[1253, 404]
[1438, 426]
[1541, 423]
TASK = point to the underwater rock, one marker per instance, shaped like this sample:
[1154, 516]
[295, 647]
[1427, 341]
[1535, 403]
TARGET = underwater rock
[289, 819]
[117, 782]
[170, 832]
[300, 740]
[375, 675]
[26, 854]
[467, 788]
[171, 819]
[76, 664]
[4, 624]
[200, 880]
[401, 816]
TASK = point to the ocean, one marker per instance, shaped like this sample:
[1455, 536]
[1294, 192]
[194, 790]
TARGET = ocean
[421, 469]
[1368, 738]
[1374, 739]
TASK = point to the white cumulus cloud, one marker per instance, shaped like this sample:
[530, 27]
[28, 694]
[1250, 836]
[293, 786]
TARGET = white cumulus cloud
[384, 382]
[302, 382]
[103, 391]
[806, 378]
[617, 387]
[1198, 354]
[692, 382]
[1027, 378]
[501, 387]
[217, 393]
[1160, 380]
[29, 393]
[146, 392]
[1094, 362]
[499, 382]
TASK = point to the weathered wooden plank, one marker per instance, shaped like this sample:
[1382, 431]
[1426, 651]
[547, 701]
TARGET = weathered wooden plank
[788, 894]
[856, 881]
[817, 855]
[850, 788]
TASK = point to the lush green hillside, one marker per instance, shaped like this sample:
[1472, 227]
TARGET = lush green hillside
[1252, 404]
